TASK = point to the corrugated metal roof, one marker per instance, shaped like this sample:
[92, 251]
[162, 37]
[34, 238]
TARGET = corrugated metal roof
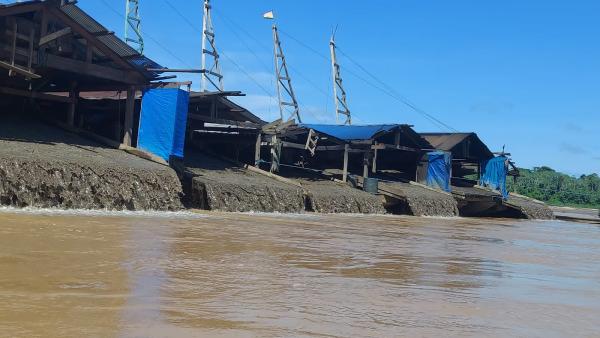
[352, 133]
[445, 141]
[449, 142]
[118, 46]
[115, 44]
[83, 19]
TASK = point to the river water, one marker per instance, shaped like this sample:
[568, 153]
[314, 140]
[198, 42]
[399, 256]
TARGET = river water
[242, 275]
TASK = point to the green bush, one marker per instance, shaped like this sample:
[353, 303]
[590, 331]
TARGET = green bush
[548, 185]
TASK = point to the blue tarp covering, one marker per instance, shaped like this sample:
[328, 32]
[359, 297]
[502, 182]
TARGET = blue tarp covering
[439, 170]
[163, 122]
[494, 175]
[351, 133]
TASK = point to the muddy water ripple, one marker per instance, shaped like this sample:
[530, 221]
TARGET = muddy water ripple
[243, 275]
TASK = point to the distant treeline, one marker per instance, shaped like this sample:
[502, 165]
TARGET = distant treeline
[548, 185]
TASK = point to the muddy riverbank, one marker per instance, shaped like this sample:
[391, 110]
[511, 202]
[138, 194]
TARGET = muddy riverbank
[42, 166]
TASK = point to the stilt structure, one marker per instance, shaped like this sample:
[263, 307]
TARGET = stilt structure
[288, 104]
[210, 73]
[339, 94]
[133, 23]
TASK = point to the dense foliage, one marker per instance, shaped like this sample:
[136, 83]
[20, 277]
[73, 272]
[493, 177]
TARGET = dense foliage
[548, 185]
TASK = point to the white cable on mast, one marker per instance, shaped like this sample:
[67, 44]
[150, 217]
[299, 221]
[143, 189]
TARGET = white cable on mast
[212, 74]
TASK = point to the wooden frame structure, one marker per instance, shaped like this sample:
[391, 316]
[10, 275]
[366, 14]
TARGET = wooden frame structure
[391, 152]
[216, 122]
[53, 46]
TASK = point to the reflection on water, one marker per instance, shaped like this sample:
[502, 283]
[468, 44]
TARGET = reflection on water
[73, 275]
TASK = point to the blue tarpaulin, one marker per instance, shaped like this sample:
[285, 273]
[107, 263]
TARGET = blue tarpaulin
[163, 122]
[439, 170]
[351, 133]
[494, 175]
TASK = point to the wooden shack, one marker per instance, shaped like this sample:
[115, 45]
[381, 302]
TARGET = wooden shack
[468, 154]
[52, 53]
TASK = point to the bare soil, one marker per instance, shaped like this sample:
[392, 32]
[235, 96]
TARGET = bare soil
[43, 166]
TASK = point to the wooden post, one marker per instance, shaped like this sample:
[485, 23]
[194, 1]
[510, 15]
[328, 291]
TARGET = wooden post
[397, 138]
[31, 48]
[213, 108]
[375, 160]
[345, 174]
[257, 150]
[74, 96]
[14, 46]
[366, 165]
[129, 111]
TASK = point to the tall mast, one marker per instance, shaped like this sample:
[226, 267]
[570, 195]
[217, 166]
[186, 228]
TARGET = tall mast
[287, 109]
[339, 94]
[133, 22]
[210, 74]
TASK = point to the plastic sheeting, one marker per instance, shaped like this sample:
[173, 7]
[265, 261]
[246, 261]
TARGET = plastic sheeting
[163, 122]
[494, 175]
[351, 133]
[439, 170]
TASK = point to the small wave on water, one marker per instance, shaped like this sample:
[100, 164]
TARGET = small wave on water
[103, 213]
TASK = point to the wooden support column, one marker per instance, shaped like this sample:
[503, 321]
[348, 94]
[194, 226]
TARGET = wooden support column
[129, 111]
[74, 96]
[31, 48]
[345, 172]
[366, 165]
[14, 45]
[257, 150]
[397, 138]
[375, 159]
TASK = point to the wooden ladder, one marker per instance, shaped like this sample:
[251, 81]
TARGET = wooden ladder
[311, 142]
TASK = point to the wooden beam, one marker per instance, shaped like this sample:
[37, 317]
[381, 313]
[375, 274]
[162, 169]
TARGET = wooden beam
[393, 147]
[78, 29]
[34, 95]
[257, 150]
[129, 111]
[14, 10]
[14, 46]
[73, 95]
[31, 48]
[366, 165]
[209, 119]
[19, 70]
[374, 167]
[81, 67]
[46, 39]
[345, 173]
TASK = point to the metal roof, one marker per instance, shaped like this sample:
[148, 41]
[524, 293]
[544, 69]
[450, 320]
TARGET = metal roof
[352, 133]
[122, 49]
[445, 141]
[86, 21]
[449, 142]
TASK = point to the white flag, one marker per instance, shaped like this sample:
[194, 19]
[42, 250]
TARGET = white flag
[269, 15]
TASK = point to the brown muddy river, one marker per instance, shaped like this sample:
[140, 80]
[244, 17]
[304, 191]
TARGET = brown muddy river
[232, 275]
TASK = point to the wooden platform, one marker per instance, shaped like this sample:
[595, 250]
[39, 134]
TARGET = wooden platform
[579, 215]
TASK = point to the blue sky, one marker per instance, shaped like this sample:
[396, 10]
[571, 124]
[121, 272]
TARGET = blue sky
[525, 74]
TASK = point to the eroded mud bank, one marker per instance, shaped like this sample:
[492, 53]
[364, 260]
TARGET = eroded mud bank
[41, 166]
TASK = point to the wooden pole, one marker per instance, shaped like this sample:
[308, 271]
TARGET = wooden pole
[14, 46]
[74, 96]
[129, 111]
[366, 165]
[257, 150]
[375, 160]
[345, 174]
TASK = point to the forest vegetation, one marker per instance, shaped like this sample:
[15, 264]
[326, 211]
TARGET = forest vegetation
[555, 188]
